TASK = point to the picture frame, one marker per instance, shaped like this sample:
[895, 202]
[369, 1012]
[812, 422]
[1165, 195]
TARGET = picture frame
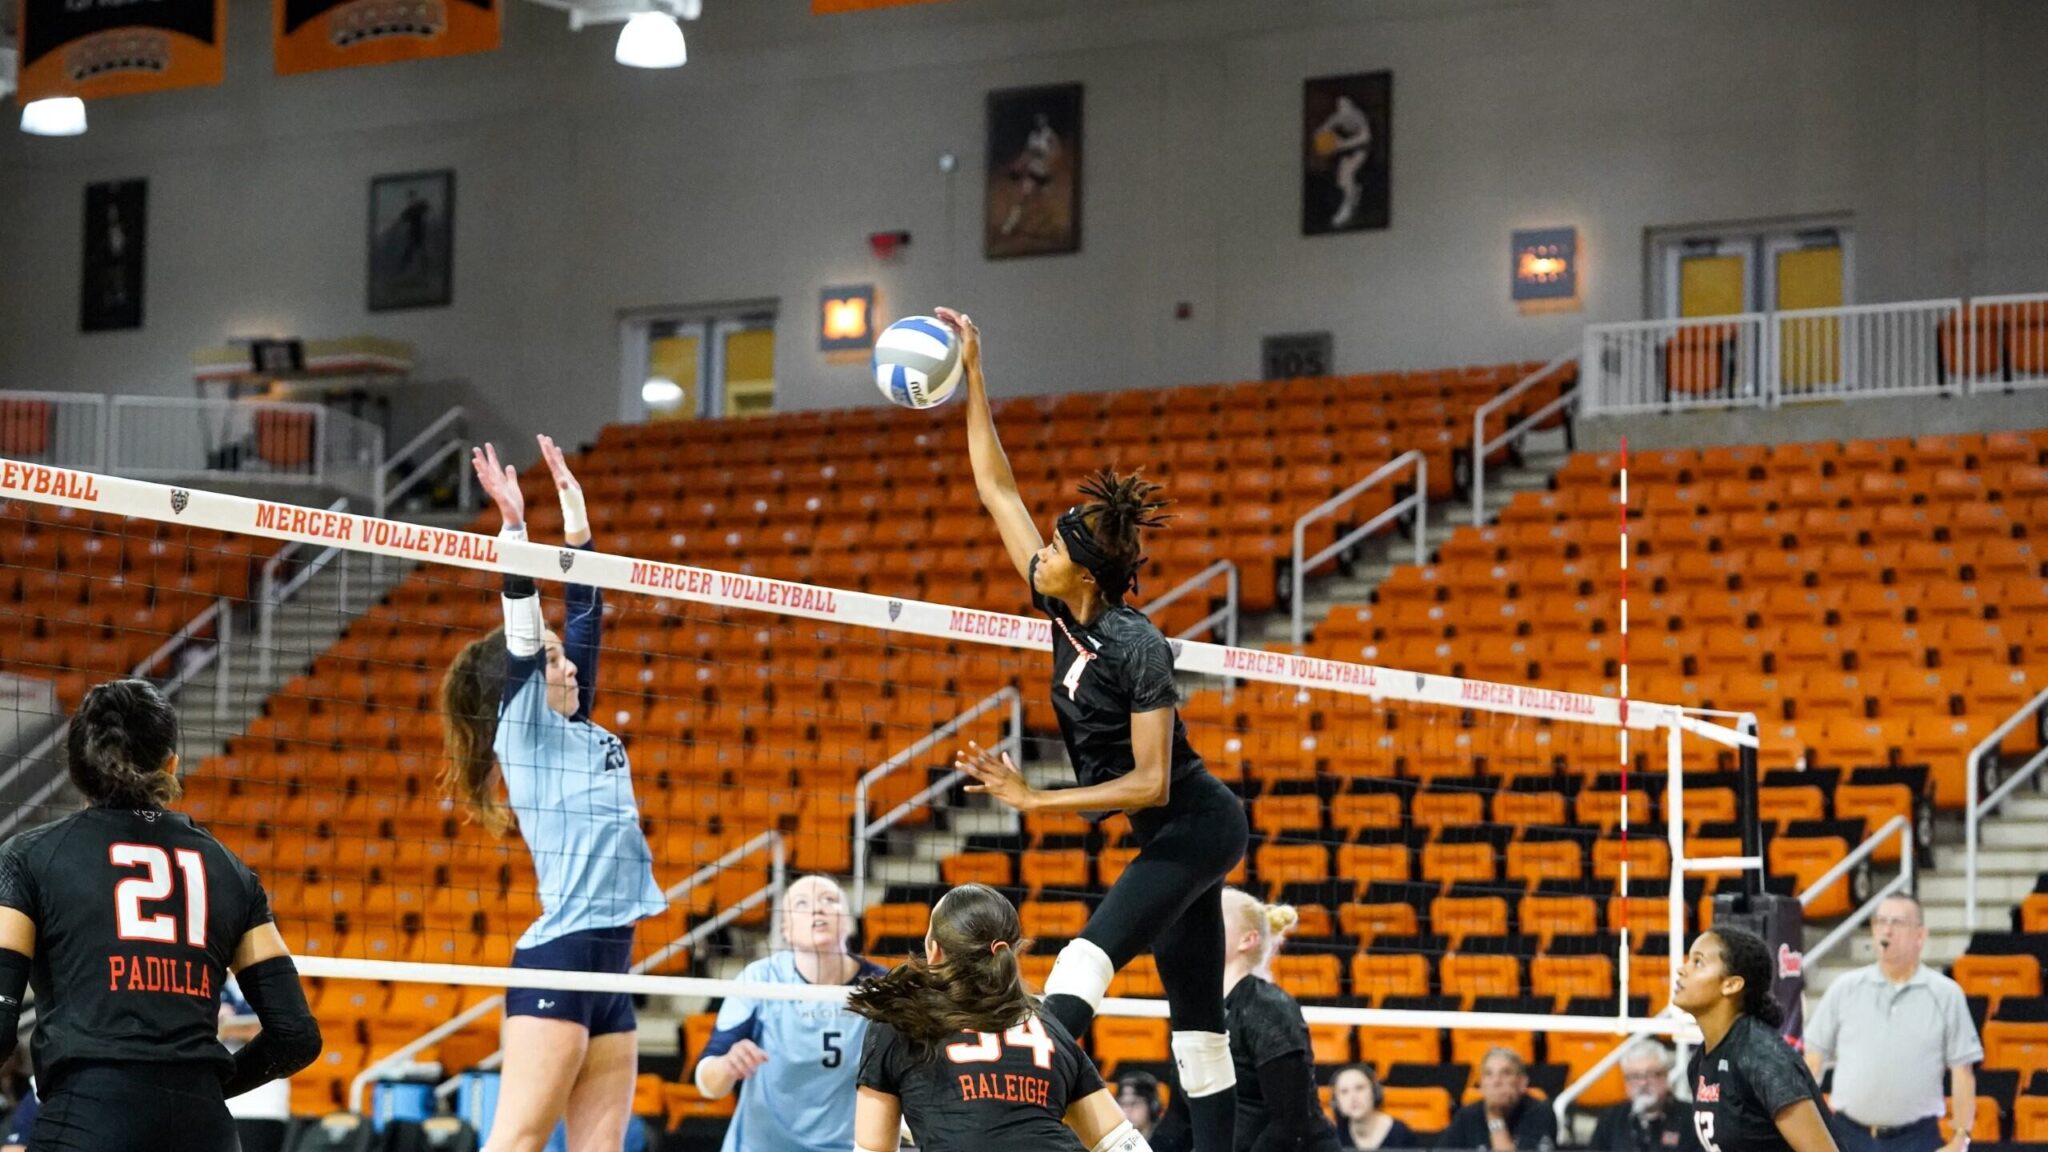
[1347, 139]
[411, 257]
[1032, 199]
[111, 283]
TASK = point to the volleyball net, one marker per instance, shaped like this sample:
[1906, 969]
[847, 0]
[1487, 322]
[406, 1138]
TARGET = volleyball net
[1507, 861]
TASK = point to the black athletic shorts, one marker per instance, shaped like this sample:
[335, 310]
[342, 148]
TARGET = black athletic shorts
[136, 1107]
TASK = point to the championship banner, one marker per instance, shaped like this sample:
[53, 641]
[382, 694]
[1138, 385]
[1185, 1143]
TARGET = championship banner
[97, 48]
[828, 7]
[316, 35]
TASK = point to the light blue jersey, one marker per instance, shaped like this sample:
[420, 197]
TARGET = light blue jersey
[573, 792]
[801, 1100]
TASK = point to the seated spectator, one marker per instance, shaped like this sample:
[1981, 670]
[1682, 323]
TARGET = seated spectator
[1651, 1119]
[1137, 1093]
[1355, 1096]
[1505, 1118]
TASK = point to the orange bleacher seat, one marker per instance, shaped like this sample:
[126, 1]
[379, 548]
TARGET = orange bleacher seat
[1458, 862]
[1997, 977]
[1469, 1047]
[1309, 977]
[1350, 812]
[1983, 1127]
[1279, 864]
[1457, 917]
[1367, 863]
[1366, 921]
[1422, 1109]
[1471, 975]
[1533, 861]
[1053, 919]
[1384, 1046]
[1374, 977]
[1118, 1039]
[1548, 916]
[1563, 977]
[2030, 1120]
[1058, 870]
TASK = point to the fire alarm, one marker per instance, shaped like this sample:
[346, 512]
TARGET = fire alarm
[887, 244]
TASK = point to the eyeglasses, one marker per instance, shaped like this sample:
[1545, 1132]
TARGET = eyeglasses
[1650, 1076]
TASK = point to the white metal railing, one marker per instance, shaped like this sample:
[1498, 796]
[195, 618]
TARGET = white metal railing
[1223, 619]
[1900, 826]
[62, 429]
[219, 612]
[161, 437]
[1666, 365]
[447, 436]
[1483, 447]
[1975, 811]
[401, 1058]
[270, 595]
[1417, 500]
[2007, 342]
[1860, 351]
[1577, 1088]
[863, 828]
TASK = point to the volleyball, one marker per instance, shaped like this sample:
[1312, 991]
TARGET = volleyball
[917, 362]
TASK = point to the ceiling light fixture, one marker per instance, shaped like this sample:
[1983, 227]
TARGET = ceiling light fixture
[651, 40]
[54, 116]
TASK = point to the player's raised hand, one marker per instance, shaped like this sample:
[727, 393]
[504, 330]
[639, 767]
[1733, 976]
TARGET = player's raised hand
[995, 774]
[969, 337]
[744, 1059]
[500, 482]
[557, 466]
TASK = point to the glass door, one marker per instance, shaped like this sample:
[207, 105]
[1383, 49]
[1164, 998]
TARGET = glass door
[697, 364]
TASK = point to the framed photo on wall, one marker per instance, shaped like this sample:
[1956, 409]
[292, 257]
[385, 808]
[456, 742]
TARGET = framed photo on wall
[1033, 199]
[412, 241]
[116, 233]
[1347, 136]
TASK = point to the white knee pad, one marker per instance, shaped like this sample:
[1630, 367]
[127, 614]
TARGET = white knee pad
[1082, 971]
[1204, 1062]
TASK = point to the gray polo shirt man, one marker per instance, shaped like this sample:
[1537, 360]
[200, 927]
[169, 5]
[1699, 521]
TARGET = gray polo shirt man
[1890, 1044]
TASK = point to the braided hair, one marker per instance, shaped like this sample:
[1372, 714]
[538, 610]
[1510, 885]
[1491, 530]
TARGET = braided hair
[121, 739]
[1745, 954]
[1118, 507]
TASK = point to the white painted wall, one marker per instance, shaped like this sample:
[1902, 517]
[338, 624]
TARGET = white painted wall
[758, 171]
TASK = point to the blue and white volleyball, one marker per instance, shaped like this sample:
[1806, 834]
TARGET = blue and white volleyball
[917, 362]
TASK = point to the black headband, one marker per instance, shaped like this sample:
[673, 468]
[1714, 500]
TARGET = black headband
[1114, 577]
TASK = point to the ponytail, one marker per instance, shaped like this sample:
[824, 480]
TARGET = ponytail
[977, 985]
[1118, 508]
[1745, 954]
[471, 694]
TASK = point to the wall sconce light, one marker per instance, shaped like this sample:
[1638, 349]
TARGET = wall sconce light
[846, 321]
[1546, 264]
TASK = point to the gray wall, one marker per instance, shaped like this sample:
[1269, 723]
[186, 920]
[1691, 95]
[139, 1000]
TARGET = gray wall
[585, 189]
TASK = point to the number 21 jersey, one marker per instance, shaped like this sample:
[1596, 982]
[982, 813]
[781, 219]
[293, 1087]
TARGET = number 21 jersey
[137, 915]
[984, 1091]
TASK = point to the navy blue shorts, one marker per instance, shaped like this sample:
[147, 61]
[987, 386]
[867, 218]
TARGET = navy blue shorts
[592, 950]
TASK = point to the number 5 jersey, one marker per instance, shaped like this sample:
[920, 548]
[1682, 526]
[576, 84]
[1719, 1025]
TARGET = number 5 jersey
[984, 1091]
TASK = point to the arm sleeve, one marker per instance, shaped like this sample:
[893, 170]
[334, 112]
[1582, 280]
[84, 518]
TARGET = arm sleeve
[582, 637]
[290, 1039]
[1960, 1041]
[523, 623]
[1148, 673]
[1289, 1087]
[878, 1060]
[1086, 1079]
[1819, 1033]
[13, 986]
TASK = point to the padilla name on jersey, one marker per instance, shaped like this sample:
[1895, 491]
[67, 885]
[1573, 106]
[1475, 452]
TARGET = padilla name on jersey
[1741, 1085]
[137, 914]
[1101, 674]
[984, 1091]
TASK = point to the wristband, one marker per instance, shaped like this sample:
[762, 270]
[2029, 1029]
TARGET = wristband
[575, 518]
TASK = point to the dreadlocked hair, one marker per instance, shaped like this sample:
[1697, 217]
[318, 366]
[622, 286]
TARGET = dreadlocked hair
[1118, 507]
[977, 986]
[1744, 954]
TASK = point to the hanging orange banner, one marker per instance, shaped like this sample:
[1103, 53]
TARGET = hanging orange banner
[827, 7]
[315, 35]
[93, 50]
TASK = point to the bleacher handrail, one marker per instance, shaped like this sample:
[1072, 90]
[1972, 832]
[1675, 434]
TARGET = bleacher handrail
[84, 447]
[1859, 351]
[1224, 618]
[778, 880]
[1417, 500]
[863, 828]
[1624, 366]
[1481, 446]
[448, 435]
[2031, 304]
[1974, 811]
[1899, 826]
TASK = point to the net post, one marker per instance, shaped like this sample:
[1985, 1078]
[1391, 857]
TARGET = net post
[1674, 800]
[1752, 821]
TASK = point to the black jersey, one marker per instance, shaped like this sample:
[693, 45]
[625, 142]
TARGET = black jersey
[1742, 1083]
[1102, 673]
[1265, 1025]
[137, 914]
[984, 1091]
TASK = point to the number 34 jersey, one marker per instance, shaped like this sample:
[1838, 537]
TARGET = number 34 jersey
[137, 915]
[984, 1091]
